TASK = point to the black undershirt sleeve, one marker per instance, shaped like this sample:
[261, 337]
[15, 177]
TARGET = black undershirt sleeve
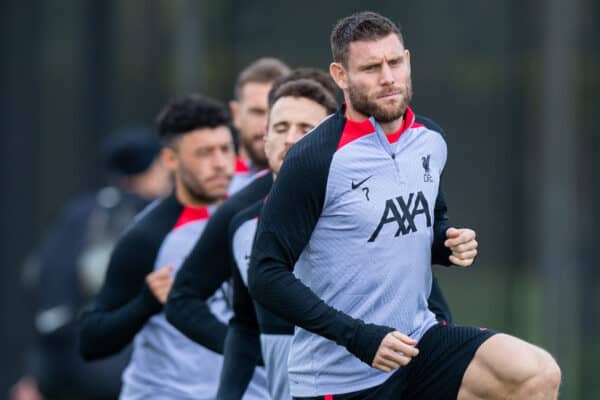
[288, 220]
[124, 303]
[437, 303]
[242, 345]
[440, 254]
[241, 358]
[205, 270]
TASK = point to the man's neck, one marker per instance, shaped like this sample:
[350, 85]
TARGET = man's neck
[388, 127]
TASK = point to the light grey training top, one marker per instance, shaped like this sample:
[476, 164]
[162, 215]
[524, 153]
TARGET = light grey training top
[352, 214]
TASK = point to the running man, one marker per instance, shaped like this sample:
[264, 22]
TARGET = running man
[343, 248]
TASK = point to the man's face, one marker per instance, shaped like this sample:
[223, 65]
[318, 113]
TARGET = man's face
[203, 162]
[289, 119]
[250, 120]
[378, 78]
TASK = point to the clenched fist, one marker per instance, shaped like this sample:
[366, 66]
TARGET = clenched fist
[396, 350]
[463, 245]
[160, 283]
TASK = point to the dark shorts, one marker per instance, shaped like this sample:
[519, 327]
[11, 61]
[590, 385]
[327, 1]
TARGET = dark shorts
[445, 352]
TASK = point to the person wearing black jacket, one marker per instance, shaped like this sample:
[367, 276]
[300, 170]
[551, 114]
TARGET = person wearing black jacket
[70, 265]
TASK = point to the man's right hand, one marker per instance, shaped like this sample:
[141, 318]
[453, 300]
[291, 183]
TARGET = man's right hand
[396, 350]
[160, 283]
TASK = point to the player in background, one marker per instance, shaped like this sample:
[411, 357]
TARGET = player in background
[70, 264]
[249, 112]
[198, 149]
[295, 108]
[207, 267]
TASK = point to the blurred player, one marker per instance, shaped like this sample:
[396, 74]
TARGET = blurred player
[199, 151]
[249, 111]
[343, 248]
[71, 263]
[208, 267]
[296, 107]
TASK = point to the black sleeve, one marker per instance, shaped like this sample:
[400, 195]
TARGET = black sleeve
[288, 220]
[439, 255]
[201, 275]
[124, 303]
[439, 252]
[437, 303]
[242, 344]
[242, 355]
[205, 270]
[242, 352]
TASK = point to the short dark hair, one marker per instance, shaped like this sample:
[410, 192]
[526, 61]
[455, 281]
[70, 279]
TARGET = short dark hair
[263, 70]
[188, 113]
[364, 25]
[313, 74]
[307, 88]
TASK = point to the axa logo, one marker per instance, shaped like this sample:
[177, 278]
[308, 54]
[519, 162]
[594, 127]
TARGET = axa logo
[402, 213]
[427, 175]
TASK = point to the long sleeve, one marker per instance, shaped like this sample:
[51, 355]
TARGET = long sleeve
[242, 344]
[242, 353]
[205, 270]
[439, 252]
[437, 303]
[287, 223]
[124, 303]
[241, 358]
[197, 280]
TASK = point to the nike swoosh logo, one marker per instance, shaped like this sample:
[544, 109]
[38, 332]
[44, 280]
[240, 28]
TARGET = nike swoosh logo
[356, 185]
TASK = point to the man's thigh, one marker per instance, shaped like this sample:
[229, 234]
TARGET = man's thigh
[499, 365]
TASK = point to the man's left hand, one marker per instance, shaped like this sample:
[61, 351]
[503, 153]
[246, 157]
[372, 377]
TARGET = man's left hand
[463, 245]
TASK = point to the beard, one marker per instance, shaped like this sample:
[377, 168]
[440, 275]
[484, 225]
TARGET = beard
[366, 105]
[196, 189]
[255, 148]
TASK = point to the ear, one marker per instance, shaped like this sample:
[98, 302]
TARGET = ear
[234, 107]
[168, 157]
[407, 55]
[339, 75]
